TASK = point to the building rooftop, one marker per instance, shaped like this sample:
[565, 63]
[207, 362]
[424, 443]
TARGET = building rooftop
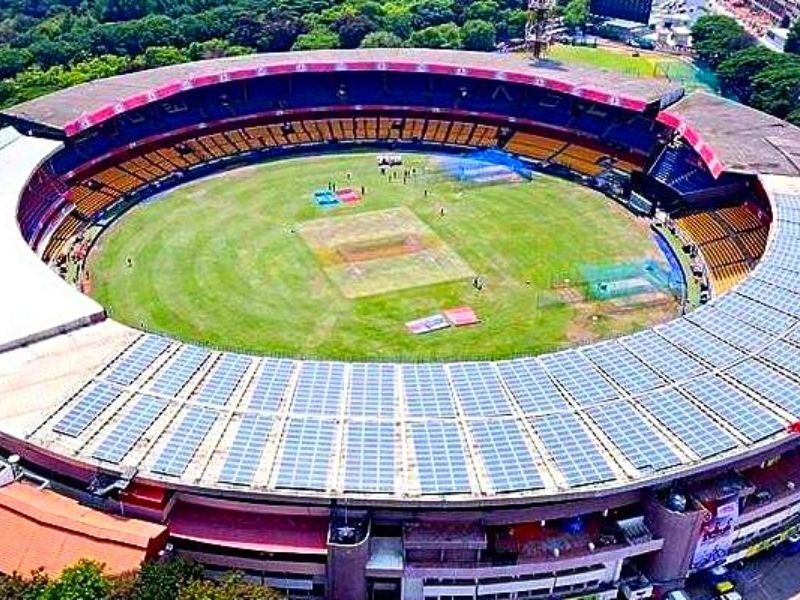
[621, 414]
[745, 140]
[76, 108]
[52, 532]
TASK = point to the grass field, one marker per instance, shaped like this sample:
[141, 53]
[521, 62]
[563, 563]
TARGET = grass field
[225, 261]
[646, 64]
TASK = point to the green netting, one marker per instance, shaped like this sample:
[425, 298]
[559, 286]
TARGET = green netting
[604, 282]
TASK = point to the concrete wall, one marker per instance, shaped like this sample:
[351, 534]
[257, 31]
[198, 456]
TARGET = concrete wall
[680, 532]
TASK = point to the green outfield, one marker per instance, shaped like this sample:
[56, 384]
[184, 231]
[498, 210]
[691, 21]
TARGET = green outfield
[637, 63]
[247, 261]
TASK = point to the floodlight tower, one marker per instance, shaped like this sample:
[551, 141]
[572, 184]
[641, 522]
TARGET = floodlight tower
[537, 29]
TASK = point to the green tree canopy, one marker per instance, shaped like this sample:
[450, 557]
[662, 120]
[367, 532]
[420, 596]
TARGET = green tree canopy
[447, 35]
[576, 14]
[478, 34]
[13, 60]
[381, 39]
[776, 89]
[429, 13]
[352, 29]
[737, 72]
[83, 581]
[485, 10]
[171, 580]
[317, 39]
[715, 38]
[793, 39]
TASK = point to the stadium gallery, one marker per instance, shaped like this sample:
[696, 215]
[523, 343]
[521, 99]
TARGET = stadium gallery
[567, 475]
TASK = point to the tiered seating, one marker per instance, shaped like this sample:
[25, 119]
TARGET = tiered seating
[118, 180]
[99, 191]
[63, 236]
[624, 165]
[580, 159]
[755, 241]
[436, 131]
[43, 197]
[91, 201]
[702, 227]
[389, 129]
[460, 133]
[484, 136]
[199, 150]
[738, 218]
[723, 252]
[682, 170]
[143, 169]
[413, 129]
[725, 277]
[730, 239]
[534, 146]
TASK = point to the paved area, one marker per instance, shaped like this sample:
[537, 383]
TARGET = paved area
[771, 576]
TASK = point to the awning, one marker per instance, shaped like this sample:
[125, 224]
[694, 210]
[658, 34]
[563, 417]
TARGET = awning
[41, 529]
[249, 530]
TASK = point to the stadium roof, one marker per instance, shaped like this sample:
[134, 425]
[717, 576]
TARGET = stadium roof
[744, 139]
[76, 108]
[40, 303]
[714, 387]
[705, 390]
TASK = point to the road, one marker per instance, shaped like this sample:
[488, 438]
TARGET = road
[771, 576]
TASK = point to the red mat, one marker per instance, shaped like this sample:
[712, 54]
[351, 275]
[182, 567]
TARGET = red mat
[461, 315]
[348, 196]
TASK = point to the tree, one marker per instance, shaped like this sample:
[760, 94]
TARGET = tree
[47, 53]
[280, 34]
[715, 38]
[122, 10]
[479, 35]
[317, 39]
[485, 10]
[232, 587]
[736, 73]
[17, 587]
[80, 582]
[163, 581]
[576, 14]
[171, 580]
[216, 48]
[793, 39]
[352, 29]
[515, 23]
[429, 13]
[161, 56]
[381, 39]
[447, 35]
[13, 60]
[776, 89]
[794, 117]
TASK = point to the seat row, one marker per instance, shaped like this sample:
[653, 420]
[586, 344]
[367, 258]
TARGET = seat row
[94, 194]
[573, 156]
[731, 240]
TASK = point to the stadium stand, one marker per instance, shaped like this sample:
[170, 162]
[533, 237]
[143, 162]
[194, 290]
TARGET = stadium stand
[459, 479]
[92, 194]
[731, 240]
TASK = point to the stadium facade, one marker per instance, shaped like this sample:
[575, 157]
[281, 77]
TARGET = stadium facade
[606, 469]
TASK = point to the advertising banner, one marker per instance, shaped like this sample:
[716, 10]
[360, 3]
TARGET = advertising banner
[716, 534]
